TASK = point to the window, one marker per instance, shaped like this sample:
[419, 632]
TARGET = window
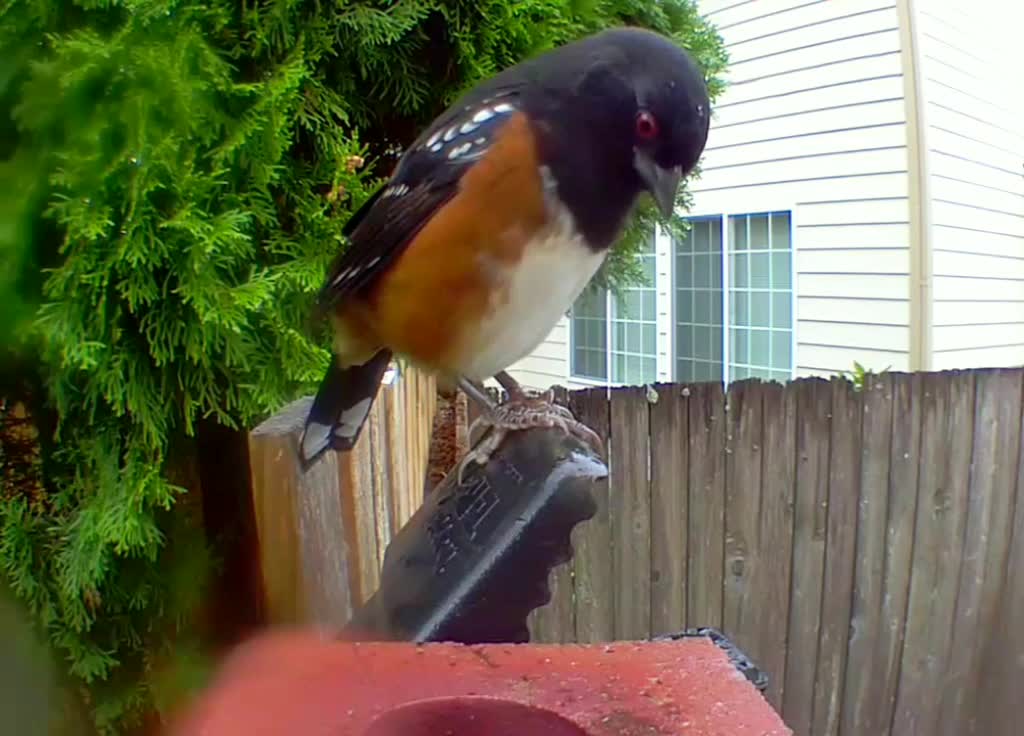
[590, 335]
[745, 329]
[760, 296]
[615, 338]
[698, 302]
[635, 327]
[725, 314]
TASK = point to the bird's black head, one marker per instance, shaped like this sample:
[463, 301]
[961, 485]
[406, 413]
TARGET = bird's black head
[670, 111]
[631, 102]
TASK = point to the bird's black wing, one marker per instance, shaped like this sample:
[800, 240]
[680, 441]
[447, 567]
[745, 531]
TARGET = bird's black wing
[427, 176]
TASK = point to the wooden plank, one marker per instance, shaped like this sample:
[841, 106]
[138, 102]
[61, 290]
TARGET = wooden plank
[999, 697]
[630, 505]
[810, 514]
[946, 441]
[740, 610]
[302, 538]
[901, 515]
[555, 622]
[398, 453]
[421, 404]
[381, 483]
[986, 544]
[775, 541]
[592, 560]
[357, 495]
[840, 543]
[669, 519]
[862, 691]
[706, 535]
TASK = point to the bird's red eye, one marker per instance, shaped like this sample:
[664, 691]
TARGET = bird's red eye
[646, 125]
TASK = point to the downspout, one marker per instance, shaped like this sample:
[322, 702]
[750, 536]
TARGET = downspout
[918, 199]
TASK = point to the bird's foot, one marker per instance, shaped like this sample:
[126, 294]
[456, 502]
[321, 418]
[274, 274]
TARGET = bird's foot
[524, 411]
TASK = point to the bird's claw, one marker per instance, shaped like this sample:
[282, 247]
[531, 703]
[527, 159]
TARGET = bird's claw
[525, 412]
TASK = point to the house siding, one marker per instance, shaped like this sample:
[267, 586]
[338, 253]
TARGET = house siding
[813, 121]
[972, 104]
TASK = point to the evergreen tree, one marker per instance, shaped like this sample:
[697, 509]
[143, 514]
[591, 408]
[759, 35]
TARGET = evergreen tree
[176, 176]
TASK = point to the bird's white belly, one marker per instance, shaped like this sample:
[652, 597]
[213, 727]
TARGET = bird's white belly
[534, 295]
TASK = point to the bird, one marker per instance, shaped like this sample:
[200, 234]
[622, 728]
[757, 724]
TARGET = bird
[496, 218]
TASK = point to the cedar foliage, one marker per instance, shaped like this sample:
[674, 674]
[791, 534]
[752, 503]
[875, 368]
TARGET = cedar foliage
[176, 175]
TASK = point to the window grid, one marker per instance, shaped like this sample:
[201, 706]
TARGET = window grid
[760, 296]
[634, 349]
[618, 335]
[732, 313]
[698, 302]
[590, 335]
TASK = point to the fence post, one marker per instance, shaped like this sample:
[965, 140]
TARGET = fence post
[303, 539]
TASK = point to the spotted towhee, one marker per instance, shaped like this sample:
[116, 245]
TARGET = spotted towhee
[497, 217]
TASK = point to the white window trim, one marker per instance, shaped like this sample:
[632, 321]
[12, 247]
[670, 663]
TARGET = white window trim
[664, 306]
[665, 295]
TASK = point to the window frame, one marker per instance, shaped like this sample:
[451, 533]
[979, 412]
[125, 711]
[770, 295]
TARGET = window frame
[726, 287]
[666, 294]
[570, 346]
[662, 348]
[674, 291]
[723, 216]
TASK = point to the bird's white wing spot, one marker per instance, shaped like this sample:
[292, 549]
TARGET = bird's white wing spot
[342, 276]
[448, 138]
[482, 116]
[396, 190]
[459, 150]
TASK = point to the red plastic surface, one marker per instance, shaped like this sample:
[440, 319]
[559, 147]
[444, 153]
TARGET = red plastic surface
[301, 684]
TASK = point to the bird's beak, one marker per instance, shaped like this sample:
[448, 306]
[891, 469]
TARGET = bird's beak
[661, 183]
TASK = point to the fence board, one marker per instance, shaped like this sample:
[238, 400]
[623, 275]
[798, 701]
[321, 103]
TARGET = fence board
[986, 544]
[393, 423]
[814, 412]
[840, 543]
[592, 560]
[382, 483]
[946, 437]
[306, 576]
[999, 711]
[706, 534]
[669, 502]
[775, 548]
[630, 507]
[901, 516]
[861, 690]
[357, 495]
[555, 622]
[742, 512]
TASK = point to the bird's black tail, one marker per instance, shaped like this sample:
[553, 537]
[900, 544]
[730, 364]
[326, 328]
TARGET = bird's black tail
[341, 406]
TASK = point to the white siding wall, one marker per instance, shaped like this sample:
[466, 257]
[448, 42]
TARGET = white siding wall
[971, 63]
[813, 122]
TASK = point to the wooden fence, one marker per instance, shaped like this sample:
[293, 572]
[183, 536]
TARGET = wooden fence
[864, 547]
[322, 533]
